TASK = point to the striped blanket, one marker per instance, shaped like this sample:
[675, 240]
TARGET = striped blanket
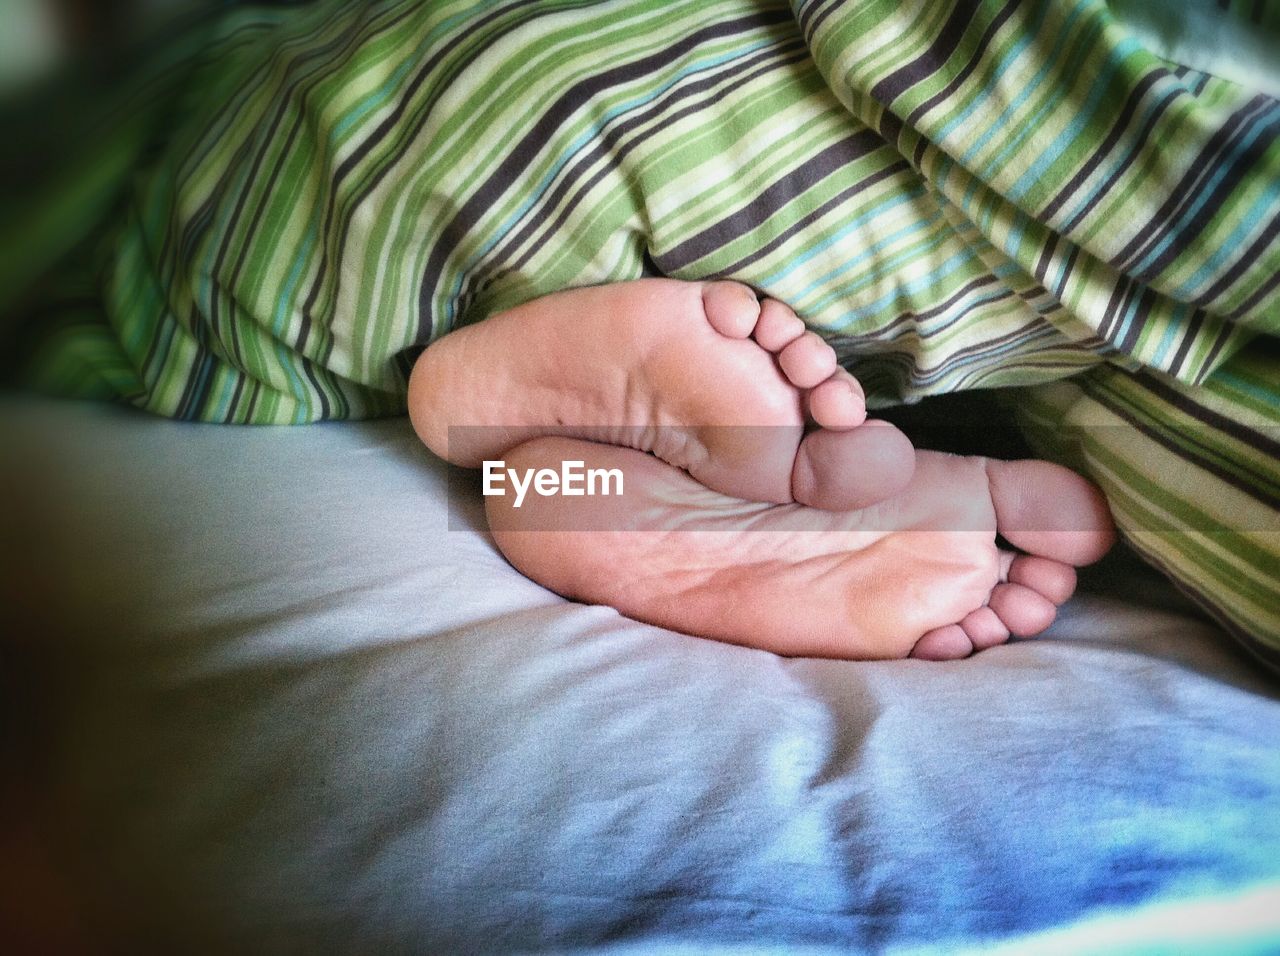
[971, 194]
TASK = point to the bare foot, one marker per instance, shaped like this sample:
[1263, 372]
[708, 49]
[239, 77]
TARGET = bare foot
[919, 575]
[701, 374]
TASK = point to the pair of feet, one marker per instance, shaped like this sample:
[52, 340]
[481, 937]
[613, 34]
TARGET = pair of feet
[761, 507]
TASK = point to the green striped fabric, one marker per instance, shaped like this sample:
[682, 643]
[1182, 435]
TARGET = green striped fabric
[959, 195]
[977, 193]
[1192, 475]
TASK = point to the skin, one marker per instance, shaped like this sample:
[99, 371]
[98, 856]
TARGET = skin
[761, 507]
[702, 375]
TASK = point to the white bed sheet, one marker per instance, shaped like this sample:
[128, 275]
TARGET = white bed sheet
[288, 707]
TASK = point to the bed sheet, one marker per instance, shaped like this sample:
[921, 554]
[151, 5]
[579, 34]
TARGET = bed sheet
[291, 702]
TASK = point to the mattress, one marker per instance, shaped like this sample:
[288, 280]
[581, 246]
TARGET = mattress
[289, 696]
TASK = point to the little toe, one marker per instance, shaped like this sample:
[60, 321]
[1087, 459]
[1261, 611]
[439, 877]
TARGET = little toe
[1023, 611]
[947, 643]
[984, 628]
[838, 403]
[1052, 579]
[807, 361]
[731, 308]
[777, 326]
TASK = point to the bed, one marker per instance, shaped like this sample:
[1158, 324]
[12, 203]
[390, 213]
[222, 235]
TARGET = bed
[290, 697]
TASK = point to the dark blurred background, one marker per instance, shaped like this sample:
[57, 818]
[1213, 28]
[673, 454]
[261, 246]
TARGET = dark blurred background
[75, 76]
[67, 71]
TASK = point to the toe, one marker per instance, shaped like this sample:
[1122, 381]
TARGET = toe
[1052, 579]
[943, 644]
[852, 469]
[1050, 511]
[731, 308]
[838, 403]
[1023, 611]
[807, 361]
[777, 326]
[984, 628]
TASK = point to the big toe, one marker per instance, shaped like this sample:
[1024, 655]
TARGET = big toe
[848, 470]
[1050, 511]
[731, 308]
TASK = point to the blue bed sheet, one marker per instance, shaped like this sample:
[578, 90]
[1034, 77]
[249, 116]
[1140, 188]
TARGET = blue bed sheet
[301, 711]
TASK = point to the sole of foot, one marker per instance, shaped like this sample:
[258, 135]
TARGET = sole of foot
[920, 575]
[704, 375]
